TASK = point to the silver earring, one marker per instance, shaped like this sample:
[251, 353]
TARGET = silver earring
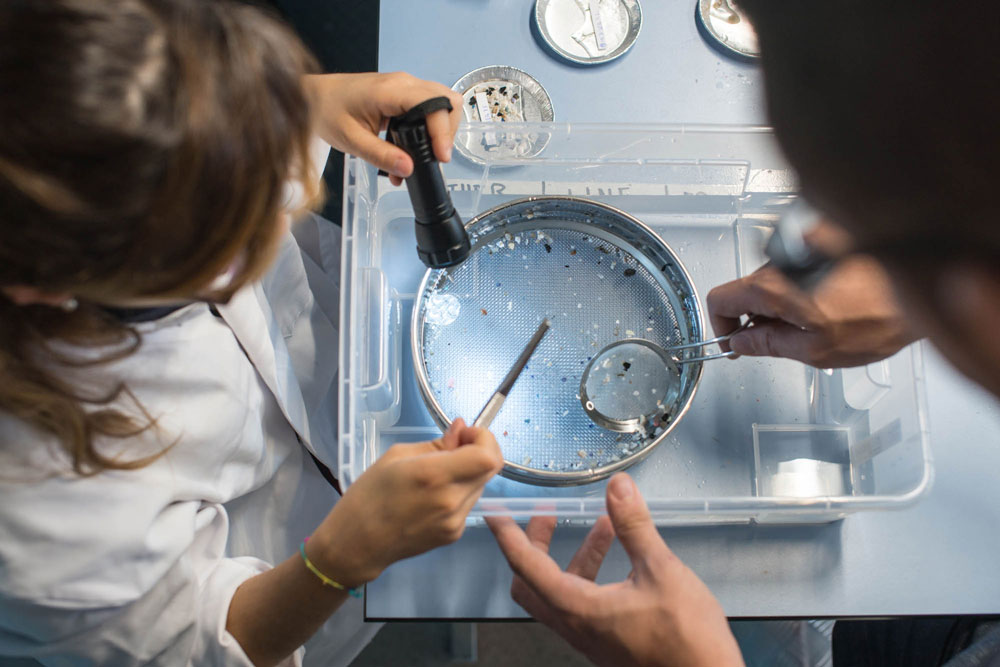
[69, 305]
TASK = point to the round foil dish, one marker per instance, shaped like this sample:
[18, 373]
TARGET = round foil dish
[727, 28]
[588, 32]
[506, 97]
[600, 276]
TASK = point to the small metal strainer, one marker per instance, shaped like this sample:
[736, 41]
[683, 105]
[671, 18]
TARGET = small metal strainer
[601, 277]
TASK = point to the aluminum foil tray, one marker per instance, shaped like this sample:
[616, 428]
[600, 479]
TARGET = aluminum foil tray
[532, 104]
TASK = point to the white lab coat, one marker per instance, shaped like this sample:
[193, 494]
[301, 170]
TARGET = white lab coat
[139, 567]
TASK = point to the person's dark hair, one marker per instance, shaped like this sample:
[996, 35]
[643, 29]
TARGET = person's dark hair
[145, 148]
[889, 111]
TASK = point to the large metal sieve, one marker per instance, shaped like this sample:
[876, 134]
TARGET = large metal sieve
[600, 276]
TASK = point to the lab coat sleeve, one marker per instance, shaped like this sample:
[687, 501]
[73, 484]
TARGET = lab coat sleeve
[180, 620]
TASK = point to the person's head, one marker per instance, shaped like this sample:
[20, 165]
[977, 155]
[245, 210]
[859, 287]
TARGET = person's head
[145, 151]
[889, 112]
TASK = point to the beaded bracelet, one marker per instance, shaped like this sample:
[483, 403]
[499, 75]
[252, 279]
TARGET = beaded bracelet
[327, 581]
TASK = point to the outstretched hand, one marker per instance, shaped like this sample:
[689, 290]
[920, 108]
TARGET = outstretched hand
[662, 615]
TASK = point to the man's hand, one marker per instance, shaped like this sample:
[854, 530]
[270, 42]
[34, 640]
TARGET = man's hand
[851, 319]
[661, 616]
[354, 108]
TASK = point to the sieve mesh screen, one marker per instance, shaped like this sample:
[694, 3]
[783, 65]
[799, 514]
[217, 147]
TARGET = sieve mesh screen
[474, 318]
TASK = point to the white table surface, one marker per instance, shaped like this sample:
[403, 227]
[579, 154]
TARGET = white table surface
[938, 557]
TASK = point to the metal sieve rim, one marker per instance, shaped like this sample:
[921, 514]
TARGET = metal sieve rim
[515, 471]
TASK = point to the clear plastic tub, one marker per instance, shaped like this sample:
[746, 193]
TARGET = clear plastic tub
[766, 440]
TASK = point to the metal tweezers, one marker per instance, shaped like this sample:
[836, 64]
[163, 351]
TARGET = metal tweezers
[493, 406]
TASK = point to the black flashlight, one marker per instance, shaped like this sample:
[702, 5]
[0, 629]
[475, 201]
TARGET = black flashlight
[441, 237]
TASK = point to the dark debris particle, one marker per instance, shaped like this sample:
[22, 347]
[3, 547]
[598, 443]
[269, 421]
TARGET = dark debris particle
[490, 90]
[548, 248]
[626, 365]
[564, 379]
[472, 101]
[527, 421]
[515, 97]
[663, 268]
[629, 272]
[503, 90]
[573, 251]
[566, 265]
[603, 249]
[482, 310]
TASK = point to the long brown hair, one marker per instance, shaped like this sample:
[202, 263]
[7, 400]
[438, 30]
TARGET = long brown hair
[145, 147]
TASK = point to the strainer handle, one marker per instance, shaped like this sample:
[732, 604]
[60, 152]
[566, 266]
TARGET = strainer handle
[717, 339]
[711, 341]
[707, 357]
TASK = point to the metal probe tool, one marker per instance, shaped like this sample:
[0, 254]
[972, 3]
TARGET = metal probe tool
[493, 406]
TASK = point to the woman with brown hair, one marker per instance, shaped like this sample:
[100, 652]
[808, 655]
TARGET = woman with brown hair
[168, 349]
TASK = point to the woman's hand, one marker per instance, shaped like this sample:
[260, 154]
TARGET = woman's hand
[413, 499]
[354, 108]
[661, 616]
[850, 319]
